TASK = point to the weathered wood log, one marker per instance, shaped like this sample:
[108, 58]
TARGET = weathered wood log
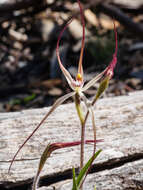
[128, 176]
[120, 164]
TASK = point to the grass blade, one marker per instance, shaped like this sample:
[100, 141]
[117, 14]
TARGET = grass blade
[74, 180]
[85, 168]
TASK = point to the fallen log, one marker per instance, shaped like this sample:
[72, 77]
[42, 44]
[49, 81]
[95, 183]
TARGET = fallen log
[120, 164]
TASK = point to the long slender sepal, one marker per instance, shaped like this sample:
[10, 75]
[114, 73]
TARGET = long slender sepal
[67, 75]
[55, 105]
[93, 81]
[80, 67]
[110, 69]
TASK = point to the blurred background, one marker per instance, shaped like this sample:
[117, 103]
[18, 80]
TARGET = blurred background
[29, 73]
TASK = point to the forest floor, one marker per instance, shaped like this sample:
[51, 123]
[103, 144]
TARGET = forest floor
[29, 72]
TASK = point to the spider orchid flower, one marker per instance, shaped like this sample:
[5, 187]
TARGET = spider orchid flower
[77, 85]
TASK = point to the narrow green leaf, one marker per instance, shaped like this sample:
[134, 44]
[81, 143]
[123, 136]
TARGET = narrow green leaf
[85, 168]
[74, 180]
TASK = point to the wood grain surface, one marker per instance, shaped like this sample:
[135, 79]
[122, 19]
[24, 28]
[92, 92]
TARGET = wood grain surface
[119, 122]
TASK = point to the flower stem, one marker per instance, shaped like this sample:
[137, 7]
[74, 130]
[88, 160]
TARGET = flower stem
[82, 119]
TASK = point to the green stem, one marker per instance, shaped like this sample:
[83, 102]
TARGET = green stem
[82, 119]
[103, 86]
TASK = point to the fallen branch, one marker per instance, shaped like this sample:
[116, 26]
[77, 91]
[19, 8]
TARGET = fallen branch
[119, 15]
[12, 5]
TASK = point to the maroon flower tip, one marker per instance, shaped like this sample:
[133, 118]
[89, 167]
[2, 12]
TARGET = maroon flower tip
[110, 68]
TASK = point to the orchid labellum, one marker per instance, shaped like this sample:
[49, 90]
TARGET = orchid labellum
[78, 87]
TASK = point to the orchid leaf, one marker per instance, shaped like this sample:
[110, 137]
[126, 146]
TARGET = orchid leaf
[74, 180]
[85, 169]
